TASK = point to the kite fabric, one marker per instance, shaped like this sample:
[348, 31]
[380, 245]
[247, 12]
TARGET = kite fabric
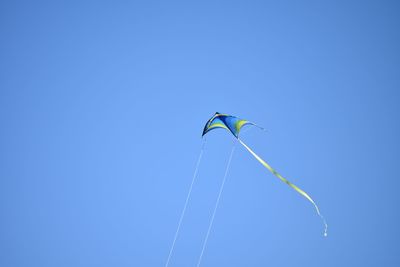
[234, 125]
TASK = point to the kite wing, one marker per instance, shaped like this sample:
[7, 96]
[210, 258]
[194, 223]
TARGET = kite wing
[228, 122]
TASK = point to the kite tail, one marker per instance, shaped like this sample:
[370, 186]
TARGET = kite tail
[301, 192]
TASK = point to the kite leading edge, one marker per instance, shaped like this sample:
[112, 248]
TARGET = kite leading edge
[234, 125]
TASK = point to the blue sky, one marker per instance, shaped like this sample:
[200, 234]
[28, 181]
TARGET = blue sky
[102, 105]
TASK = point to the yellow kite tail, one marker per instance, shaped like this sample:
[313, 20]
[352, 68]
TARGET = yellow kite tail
[301, 192]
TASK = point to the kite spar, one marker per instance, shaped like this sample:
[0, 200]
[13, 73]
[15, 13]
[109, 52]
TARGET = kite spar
[234, 125]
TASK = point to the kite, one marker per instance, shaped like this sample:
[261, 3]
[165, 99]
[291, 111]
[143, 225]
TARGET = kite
[234, 125]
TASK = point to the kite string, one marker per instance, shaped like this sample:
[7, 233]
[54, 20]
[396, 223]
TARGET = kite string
[186, 202]
[216, 206]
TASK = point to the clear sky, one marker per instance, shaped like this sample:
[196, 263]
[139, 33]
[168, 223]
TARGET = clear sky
[102, 105]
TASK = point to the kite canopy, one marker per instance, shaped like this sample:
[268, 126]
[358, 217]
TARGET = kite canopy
[228, 122]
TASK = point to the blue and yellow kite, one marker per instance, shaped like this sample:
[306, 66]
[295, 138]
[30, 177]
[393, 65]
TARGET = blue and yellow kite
[234, 125]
